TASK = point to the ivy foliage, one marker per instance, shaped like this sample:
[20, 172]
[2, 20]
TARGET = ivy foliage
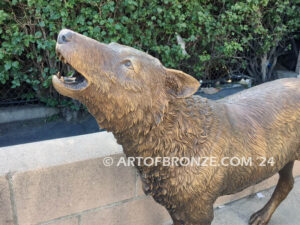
[221, 36]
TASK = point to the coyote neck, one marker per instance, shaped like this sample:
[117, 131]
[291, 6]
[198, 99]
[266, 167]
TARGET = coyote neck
[180, 129]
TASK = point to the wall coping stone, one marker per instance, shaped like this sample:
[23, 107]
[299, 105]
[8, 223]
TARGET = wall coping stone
[55, 152]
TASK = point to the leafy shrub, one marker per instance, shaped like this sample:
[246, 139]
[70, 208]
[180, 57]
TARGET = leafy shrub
[221, 36]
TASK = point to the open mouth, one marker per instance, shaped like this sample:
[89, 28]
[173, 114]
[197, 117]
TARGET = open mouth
[71, 78]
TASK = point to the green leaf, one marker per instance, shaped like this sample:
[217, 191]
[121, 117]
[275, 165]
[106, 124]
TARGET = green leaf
[38, 34]
[7, 65]
[42, 24]
[15, 64]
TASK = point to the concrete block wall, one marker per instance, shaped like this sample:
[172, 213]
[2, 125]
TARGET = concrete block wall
[64, 182]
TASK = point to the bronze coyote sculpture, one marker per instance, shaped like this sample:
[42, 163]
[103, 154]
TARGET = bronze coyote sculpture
[152, 112]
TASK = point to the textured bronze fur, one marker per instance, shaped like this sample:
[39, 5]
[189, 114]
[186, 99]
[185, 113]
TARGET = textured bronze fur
[151, 111]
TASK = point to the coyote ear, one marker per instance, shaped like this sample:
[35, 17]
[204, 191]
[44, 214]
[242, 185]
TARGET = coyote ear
[180, 84]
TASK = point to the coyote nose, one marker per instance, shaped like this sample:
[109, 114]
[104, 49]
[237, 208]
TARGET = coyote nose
[64, 36]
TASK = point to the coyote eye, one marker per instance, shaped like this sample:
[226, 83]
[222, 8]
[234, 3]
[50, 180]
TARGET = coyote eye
[128, 64]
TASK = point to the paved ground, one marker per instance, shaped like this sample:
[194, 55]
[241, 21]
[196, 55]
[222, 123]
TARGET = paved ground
[38, 130]
[239, 212]
[222, 93]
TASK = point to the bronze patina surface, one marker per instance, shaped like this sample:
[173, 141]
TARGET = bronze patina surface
[152, 112]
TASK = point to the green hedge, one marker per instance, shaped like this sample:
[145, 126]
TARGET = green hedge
[221, 36]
